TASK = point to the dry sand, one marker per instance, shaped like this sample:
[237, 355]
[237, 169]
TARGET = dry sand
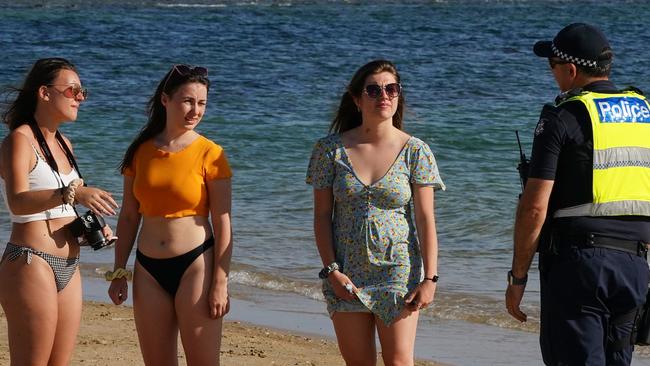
[107, 337]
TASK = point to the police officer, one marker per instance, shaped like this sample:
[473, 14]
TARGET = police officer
[587, 205]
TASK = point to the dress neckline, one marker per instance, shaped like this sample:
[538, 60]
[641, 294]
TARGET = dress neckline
[390, 168]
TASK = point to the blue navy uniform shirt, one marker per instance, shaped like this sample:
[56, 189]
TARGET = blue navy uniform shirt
[563, 152]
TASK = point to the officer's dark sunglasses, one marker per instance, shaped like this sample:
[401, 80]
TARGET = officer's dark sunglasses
[185, 70]
[556, 61]
[374, 91]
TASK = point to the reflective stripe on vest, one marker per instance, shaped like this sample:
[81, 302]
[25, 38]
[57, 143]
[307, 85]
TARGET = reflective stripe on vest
[621, 156]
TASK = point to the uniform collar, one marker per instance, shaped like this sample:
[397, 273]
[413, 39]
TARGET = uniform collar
[601, 86]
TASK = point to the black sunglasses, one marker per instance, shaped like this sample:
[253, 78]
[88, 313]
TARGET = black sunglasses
[556, 61]
[374, 91]
[186, 70]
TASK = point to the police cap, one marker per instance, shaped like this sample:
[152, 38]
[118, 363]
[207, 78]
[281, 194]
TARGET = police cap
[578, 43]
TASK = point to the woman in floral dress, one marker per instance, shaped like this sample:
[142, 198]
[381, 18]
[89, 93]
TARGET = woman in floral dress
[373, 186]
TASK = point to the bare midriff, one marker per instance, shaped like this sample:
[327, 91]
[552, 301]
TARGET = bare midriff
[48, 236]
[169, 237]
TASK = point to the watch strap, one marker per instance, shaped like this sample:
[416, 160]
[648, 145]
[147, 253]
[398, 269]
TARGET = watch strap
[327, 270]
[512, 280]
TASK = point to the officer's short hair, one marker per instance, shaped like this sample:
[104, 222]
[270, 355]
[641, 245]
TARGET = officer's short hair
[602, 69]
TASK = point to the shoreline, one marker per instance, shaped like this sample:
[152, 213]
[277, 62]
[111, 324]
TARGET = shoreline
[108, 337]
[264, 326]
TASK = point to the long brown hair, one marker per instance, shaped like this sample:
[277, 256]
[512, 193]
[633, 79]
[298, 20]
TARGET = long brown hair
[348, 116]
[156, 110]
[43, 72]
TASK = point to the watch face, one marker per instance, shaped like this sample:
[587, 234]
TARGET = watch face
[325, 272]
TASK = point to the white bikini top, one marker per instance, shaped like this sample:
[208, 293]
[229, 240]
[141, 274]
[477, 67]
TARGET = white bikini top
[40, 178]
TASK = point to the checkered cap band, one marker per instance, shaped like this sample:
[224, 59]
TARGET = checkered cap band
[572, 59]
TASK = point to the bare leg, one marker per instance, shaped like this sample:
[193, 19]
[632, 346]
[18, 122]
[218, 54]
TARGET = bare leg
[398, 340]
[155, 320]
[355, 333]
[29, 299]
[200, 334]
[69, 319]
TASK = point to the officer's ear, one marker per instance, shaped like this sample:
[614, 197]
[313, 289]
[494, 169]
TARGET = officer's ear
[572, 70]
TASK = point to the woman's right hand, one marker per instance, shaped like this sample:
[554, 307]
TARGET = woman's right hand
[119, 290]
[338, 281]
[98, 200]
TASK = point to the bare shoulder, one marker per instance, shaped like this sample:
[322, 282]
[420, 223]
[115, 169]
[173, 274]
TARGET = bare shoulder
[403, 136]
[350, 137]
[16, 146]
[18, 138]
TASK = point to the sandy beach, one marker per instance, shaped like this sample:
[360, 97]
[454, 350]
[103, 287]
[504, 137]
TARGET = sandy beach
[108, 337]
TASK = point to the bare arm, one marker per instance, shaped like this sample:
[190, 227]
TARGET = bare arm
[127, 225]
[16, 161]
[127, 229]
[323, 209]
[323, 206]
[220, 193]
[425, 222]
[423, 199]
[531, 214]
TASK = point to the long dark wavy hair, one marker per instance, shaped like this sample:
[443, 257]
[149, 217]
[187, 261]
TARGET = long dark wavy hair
[43, 72]
[348, 116]
[169, 84]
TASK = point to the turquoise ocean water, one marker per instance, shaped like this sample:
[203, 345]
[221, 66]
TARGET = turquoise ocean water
[278, 69]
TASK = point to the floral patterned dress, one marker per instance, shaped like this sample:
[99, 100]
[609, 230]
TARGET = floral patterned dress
[373, 229]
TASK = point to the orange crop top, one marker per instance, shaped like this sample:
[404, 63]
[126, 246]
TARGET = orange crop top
[173, 184]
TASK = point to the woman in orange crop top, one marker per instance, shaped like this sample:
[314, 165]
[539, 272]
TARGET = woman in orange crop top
[40, 283]
[177, 185]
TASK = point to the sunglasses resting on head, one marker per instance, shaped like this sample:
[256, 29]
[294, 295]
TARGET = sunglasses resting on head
[185, 70]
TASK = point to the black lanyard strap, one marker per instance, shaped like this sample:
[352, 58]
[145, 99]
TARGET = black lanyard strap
[49, 157]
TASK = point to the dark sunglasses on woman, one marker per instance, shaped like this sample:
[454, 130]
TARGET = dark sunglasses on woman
[374, 91]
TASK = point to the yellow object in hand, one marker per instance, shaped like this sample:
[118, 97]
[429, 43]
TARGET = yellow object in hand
[118, 273]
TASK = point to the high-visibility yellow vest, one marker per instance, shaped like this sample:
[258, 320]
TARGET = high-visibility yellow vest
[621, 160]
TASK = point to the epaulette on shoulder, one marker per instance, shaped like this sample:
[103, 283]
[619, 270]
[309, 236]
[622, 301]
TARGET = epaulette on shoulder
[633, 89]
[567, 95]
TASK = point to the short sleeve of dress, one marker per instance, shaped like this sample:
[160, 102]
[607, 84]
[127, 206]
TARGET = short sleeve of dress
[216, 163]
[320, 173]
[424, 169]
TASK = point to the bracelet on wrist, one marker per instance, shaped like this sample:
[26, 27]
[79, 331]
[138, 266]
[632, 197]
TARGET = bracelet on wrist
[118, 273]
[433, 279]
[67, 194]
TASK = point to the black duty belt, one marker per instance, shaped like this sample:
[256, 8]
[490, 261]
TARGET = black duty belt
[636, 247]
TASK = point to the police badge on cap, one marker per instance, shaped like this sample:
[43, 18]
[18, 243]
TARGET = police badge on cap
[578, 43]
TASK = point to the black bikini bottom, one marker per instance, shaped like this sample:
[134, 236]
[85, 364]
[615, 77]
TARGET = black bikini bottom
[169, 271]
